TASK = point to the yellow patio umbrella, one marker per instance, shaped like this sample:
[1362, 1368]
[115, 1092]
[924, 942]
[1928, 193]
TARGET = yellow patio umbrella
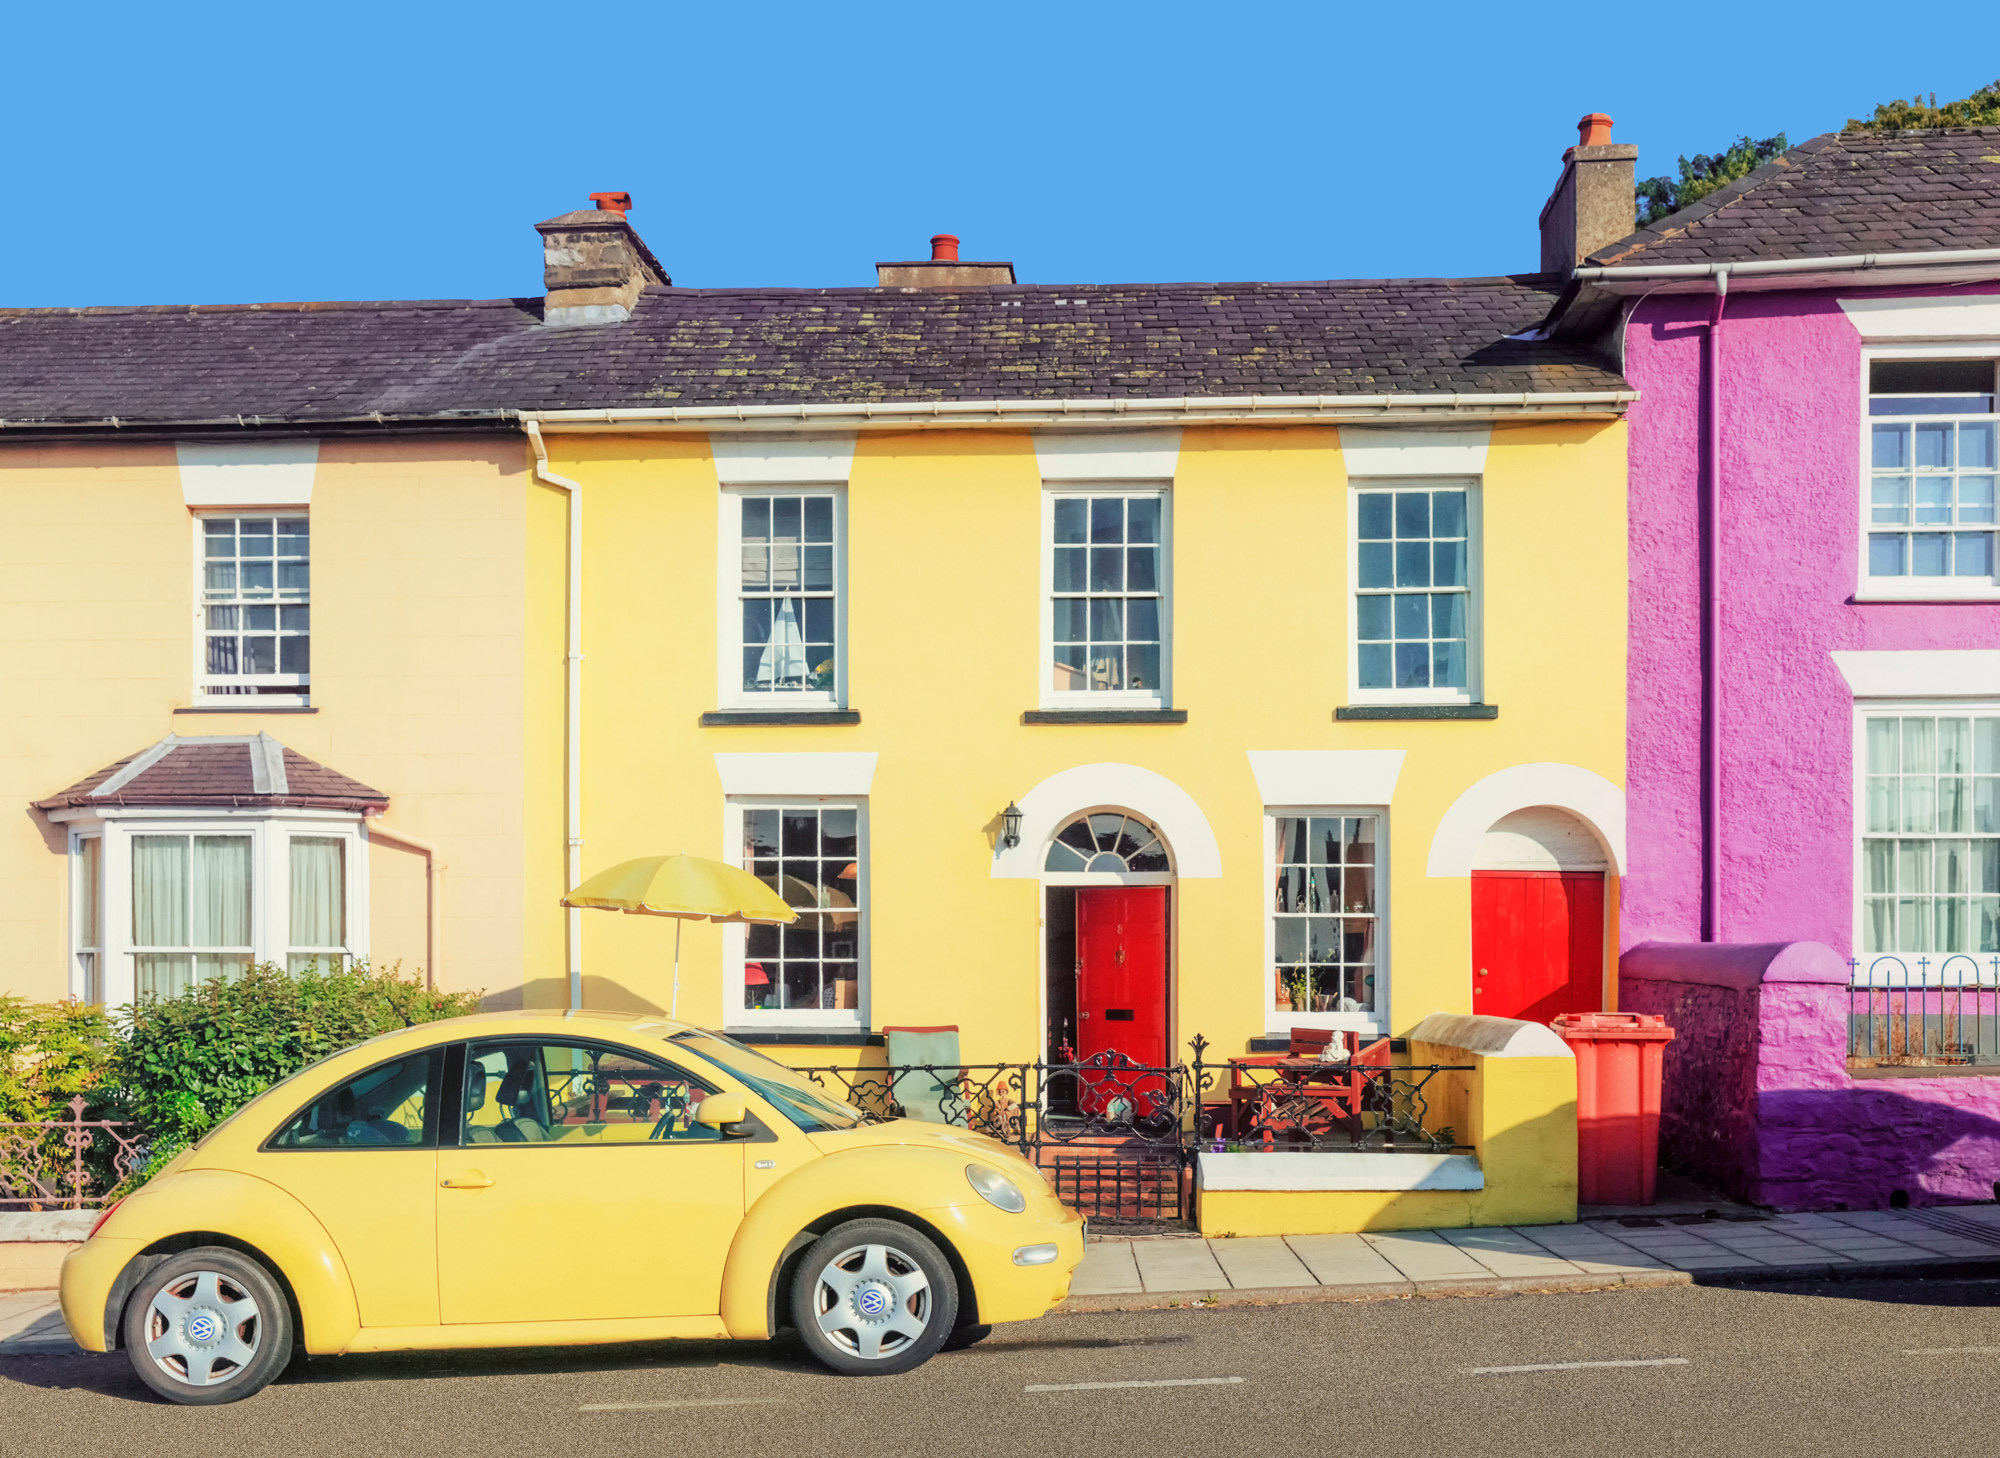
[687, 888]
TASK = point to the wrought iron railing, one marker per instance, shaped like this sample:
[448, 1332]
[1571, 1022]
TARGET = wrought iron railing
[1116, 1136]
[1942, 1012]
[66, 1164]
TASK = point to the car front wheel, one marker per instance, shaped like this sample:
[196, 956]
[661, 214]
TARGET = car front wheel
[874, 1297]
[208, 1326]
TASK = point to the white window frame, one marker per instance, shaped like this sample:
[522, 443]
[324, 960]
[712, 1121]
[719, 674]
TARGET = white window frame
[1278, 1022]
[738, 1018]
[1474, 691]
[213, 690]
[1910, 589]
[270, 833]
[1049, 697]
[730, 693]
[86, 953]
[1966, 968]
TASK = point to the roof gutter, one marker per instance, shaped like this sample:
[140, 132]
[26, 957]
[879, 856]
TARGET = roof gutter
[1766, 267]
[1178, 410]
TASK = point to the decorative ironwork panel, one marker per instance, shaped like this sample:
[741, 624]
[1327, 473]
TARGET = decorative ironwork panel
[66, 1164]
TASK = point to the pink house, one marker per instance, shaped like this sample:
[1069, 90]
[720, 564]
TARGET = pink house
[1814, 693]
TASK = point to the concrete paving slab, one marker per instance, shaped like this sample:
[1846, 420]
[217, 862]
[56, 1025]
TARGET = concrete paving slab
[1108, 1268]
[1424, 1256]
[1177, 1265]
[1260, 1261]
[1338, 1260]
[1979, 1214]
[31, 1322]
[1507, 1252]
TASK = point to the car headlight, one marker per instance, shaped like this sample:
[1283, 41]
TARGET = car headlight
[996, 1189]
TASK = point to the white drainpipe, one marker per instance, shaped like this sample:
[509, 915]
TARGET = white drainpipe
[572, 711]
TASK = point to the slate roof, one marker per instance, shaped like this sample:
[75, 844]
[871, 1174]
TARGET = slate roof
[477, 360]
[237, 770]
[1837, 194]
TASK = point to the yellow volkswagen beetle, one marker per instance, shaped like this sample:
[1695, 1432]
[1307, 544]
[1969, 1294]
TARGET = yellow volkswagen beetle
[527, 1179]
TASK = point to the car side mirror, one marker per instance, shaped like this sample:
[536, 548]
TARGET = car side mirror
[722, 1111]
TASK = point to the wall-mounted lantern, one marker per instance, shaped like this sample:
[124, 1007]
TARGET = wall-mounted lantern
[1010, 825]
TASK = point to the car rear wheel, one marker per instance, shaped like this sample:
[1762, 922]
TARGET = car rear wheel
[874, 1297]
[208, 1326]
[967, 1336]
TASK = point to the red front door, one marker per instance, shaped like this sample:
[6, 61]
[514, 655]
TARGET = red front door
[1537, 943]
[1121, 972]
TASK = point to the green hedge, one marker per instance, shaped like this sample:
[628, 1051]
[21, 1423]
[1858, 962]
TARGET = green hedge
[178, 1066]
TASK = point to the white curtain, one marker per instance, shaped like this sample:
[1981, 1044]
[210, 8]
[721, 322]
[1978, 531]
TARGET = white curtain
[319, 892]
[222, 890]
[90, 867]
[159, 890]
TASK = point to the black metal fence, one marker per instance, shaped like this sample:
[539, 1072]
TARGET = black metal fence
[1117, 1138]
[1941, 1011]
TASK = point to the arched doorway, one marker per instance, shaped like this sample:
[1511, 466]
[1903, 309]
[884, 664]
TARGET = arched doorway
[1107, 883]
[1538, 916]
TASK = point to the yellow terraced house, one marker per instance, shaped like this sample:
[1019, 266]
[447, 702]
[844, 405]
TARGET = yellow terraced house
[1094, 666]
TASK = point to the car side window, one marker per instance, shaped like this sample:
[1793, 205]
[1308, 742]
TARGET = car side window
[383, 1108]
[577, 1093]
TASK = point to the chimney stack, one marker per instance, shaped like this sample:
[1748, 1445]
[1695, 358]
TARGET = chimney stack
[1592, 205]
[942, 270]
[594, 265]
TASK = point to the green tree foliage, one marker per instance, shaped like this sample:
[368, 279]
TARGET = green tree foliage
[1657, 197]
[183, 1064]
[1981, 109]
[49, 1053]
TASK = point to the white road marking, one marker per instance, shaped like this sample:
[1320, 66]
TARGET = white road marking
[683, 1402]
[1107, 1386]
[1578, 1366]
[1951, 1351]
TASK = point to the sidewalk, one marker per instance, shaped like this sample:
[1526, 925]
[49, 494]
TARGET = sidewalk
[1146, 1272]
[1598, 1254]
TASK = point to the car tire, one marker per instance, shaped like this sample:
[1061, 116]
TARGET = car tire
[967, 1336]
[208, 1326]
[873, 1298]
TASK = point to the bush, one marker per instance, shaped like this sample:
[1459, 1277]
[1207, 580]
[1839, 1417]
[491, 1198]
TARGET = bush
[183, 1064]
[1661, 197]
[49, 1053]
[1981, 109]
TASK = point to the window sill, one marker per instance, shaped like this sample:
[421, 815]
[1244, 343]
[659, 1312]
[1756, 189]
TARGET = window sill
[722, 718]
[1105, 716]
[807, 1037]
[249, 708]
[1279, 1042]
[1923, 1070]
[1417, 711]
[1943, 595]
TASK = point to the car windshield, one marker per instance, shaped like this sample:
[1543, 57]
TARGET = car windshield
[795, 1096]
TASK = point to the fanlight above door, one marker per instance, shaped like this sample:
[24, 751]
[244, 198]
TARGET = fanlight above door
[1107, 842]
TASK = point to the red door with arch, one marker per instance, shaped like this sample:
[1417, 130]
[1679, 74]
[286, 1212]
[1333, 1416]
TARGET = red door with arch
[1537, 943]
[1121, 996]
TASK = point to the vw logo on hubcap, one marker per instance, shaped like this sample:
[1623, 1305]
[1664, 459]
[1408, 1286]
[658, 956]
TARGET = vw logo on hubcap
[202, 1327]
[872, 1301]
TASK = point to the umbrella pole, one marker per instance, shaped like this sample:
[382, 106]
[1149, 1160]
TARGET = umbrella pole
[674, 1007]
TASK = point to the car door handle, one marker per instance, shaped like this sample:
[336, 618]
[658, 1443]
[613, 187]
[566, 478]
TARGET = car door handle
[470, 1180]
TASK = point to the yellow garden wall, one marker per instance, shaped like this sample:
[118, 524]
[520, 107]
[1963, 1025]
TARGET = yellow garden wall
[1517, 1111]
[942, 562]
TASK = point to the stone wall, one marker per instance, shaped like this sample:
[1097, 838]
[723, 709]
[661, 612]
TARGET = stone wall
[1759, 1098]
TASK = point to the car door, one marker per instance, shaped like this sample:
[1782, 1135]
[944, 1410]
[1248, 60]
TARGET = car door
[578, 1187]
[362, 1157]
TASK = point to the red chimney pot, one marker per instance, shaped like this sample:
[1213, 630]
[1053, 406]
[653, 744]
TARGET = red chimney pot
[944, 248]
[1594, 130]
[612, 202]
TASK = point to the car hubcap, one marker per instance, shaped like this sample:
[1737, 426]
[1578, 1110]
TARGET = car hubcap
[202, 1328]
[872, 1301]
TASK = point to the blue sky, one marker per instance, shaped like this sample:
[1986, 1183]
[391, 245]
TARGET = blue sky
[207, 153]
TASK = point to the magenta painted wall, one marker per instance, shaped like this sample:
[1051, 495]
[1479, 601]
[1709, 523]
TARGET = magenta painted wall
[1791, 484]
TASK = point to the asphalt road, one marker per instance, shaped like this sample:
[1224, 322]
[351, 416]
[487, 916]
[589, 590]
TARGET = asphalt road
[1850, 1368]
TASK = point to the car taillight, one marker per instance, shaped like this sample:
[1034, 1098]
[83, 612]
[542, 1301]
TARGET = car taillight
[109, 1211]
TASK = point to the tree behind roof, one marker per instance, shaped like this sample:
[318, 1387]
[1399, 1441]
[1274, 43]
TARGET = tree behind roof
[1700, 175]
[1981, 109]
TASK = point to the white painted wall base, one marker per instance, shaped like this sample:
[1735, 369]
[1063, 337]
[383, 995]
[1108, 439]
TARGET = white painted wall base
[1339, 1171]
